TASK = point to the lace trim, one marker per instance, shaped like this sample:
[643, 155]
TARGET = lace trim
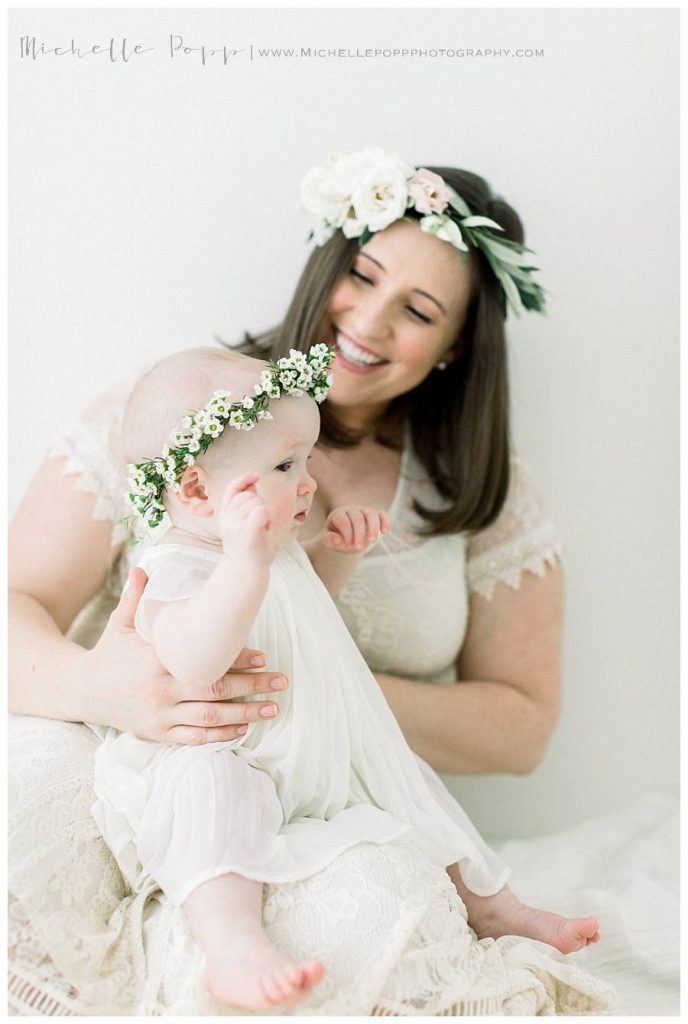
[522, 539]
[534, 552]
[84, 446]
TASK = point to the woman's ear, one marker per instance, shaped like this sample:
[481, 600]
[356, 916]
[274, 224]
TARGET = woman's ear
[192, 492]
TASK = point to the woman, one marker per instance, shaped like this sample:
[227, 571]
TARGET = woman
[417, 422]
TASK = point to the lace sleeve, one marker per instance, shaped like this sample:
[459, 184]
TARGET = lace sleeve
[522, 538]
[86, 446]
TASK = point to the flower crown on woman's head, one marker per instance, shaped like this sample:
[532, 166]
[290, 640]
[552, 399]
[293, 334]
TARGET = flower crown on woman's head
[366, 191]
[296, 374]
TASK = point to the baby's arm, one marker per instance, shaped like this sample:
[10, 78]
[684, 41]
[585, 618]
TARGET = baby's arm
[198, 638]
[338, 548]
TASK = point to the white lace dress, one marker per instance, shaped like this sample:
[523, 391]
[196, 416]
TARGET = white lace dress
[384, 919]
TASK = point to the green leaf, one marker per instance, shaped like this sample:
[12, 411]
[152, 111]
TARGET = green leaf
[504, 253]
[480, 222]
[458, 203]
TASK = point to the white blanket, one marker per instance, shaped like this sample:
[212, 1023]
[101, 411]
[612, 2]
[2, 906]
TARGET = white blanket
[624, 868]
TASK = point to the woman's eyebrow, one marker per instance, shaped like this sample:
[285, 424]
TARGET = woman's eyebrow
[420, 291]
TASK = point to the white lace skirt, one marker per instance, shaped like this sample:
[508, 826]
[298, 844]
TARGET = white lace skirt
[386, 922]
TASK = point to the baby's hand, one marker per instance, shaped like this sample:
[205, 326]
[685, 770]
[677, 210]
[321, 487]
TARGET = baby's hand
[243, 519]
[353, 529]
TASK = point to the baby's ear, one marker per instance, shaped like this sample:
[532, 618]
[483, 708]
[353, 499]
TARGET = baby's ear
[192, 493]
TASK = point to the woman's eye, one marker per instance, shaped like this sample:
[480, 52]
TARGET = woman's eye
[361, 277]
[284, 467]
[419, 316]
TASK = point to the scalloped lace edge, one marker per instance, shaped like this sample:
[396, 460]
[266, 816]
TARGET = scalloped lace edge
[535, 552]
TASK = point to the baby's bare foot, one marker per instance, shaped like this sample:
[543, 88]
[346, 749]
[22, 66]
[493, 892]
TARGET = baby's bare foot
[253, 974]
[504, 914]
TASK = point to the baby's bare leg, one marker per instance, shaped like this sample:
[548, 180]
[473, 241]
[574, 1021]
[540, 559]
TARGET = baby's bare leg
[244, 968]
[504, 914]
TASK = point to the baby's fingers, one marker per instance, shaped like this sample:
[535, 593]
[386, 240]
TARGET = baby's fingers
[339, 529]
[360, 528]
[240, 484]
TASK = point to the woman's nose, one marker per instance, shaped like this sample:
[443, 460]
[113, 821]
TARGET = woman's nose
[372, 318]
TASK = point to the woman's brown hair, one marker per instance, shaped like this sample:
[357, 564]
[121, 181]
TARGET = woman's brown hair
[459, 416]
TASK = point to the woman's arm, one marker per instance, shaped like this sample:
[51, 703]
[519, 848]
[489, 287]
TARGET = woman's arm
[501, 713]
[59, 557]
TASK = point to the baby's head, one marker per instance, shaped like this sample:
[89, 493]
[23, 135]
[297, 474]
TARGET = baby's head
[276, 448]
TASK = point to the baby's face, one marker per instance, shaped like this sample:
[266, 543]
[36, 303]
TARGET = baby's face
[278, 451]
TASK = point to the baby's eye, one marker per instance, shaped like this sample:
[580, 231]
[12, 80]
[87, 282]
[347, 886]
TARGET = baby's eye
[284, 467]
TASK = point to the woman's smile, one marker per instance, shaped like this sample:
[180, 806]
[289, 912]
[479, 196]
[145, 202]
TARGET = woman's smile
[355, 357]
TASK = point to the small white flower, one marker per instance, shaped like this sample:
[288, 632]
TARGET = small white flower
[189, 460]
[248, 403]
[194, 446]
[214, 428]
[236, 418]
[221, 394]
[187, 422]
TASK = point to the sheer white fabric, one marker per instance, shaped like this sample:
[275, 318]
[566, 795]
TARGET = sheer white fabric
[402, 945]
[290, 796]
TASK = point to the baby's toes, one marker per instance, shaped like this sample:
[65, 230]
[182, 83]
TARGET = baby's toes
[314, 972]
[271, 987]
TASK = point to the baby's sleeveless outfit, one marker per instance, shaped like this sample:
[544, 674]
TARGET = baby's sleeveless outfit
[286, 799]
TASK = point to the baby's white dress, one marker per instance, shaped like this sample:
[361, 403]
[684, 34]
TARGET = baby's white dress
[286, 799]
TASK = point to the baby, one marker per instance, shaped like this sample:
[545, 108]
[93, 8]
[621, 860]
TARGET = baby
[211, 824]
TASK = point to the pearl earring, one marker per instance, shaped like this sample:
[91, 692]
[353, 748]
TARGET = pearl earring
[442, 366]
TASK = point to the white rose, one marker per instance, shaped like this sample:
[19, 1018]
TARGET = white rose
[381, 194]
[321, 196]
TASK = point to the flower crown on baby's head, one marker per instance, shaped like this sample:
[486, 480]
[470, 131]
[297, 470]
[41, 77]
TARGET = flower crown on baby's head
[366, 191]
[296, 374]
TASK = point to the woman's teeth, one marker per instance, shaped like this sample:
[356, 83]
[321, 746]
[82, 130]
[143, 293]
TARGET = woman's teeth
[355, 354]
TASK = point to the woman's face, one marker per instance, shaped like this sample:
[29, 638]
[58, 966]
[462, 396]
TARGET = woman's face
[394, 317]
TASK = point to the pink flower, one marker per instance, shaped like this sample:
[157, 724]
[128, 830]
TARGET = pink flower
[429, 192]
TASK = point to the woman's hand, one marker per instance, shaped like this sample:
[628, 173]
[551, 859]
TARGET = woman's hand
[132, 692]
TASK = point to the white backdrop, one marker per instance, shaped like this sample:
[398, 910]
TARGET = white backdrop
[153, 203]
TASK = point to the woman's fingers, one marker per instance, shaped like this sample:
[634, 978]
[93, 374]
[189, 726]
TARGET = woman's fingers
[194, 736]
[231, 686]
[220, 714]
[248, 658]
[123, 615]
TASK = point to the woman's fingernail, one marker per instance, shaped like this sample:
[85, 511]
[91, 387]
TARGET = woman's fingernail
[269, 711]
[241, 729]
[280, 683]
[257, 659]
